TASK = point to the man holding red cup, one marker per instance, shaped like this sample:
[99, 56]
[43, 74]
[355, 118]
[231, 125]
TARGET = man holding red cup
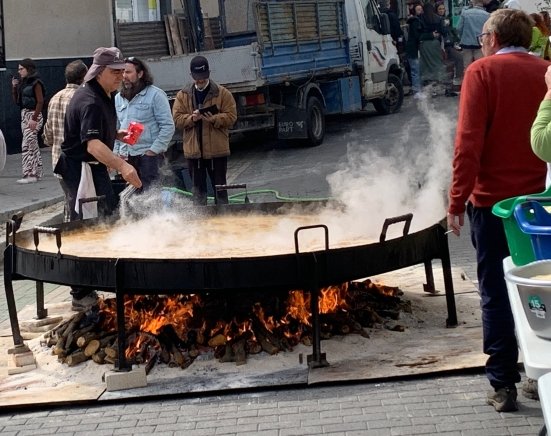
[144, 111]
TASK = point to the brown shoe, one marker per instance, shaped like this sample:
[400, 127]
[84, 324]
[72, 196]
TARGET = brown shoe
[530, 389]
[503, 400]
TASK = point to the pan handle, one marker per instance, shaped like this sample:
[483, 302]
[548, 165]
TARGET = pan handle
[315, 226]
[397, 219]
[50, 231]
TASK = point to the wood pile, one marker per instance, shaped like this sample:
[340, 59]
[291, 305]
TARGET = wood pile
[228, 329]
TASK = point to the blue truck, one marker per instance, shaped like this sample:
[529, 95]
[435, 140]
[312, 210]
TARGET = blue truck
[300, 61]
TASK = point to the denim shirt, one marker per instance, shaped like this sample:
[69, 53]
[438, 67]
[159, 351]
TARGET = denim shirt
[470, 25]
[151, 108]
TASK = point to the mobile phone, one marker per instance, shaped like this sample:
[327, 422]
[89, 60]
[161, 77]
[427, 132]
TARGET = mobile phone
[212, 109]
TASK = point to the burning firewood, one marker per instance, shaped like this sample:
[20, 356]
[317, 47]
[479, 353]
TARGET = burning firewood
[213, 326]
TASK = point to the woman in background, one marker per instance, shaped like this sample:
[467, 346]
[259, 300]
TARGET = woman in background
[540, 37]
[28, 93]
[454, 58]
[431, 48]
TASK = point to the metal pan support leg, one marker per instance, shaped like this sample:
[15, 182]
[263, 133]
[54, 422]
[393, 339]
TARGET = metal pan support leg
[317, 359]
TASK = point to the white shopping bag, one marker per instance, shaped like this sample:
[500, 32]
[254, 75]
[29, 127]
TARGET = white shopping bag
[86, 189]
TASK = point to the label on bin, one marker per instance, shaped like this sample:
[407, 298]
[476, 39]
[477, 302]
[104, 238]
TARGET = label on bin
[536, 306]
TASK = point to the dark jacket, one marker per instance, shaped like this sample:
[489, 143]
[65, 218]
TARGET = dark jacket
[26, 98]
[415, 29]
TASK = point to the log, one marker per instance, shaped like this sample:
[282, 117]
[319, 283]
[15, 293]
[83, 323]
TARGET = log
[265, 338]
[108, 340]
[99, 357]
[238, 351]
[150, 363]
[228, 354]
[217, 340]
[253, 347]
[59, 349]
[111, 352]
[84, 339]
[92, 348]
[76, 358]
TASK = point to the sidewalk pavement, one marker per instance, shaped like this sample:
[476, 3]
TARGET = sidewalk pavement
[16, 197]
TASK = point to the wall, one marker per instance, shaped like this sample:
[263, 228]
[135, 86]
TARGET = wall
[53, 33]
[45, 29]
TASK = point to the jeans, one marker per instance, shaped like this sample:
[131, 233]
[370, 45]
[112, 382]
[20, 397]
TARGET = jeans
[415, 74]
[498, 326]
[147, 168]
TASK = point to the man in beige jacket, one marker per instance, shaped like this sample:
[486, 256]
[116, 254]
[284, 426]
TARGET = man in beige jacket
[204, 111]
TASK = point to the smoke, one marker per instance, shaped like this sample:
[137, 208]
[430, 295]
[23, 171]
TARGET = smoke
[411, 177]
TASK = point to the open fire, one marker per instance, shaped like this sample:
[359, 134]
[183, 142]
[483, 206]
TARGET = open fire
[177, 329]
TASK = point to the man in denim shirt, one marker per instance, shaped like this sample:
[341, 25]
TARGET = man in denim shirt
[469, 27]
[140, 101]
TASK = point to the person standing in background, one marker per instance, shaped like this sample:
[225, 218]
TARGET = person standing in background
[540, 37]
[141, 101]
[28, 93]
[53, 129]
[470, 25]
[206, 134]
[430, 49]
[415, 29]
[493, 160]
[453, 56]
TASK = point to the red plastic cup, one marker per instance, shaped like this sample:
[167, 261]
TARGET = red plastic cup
[135, 129]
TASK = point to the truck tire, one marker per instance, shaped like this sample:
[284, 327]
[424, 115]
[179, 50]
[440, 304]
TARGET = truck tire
[315, 120]
[394, 96]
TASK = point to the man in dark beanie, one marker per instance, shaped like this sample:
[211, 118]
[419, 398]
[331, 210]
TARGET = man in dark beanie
[204, 111]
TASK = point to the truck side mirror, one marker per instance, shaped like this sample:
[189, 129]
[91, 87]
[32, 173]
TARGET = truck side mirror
[384, 24]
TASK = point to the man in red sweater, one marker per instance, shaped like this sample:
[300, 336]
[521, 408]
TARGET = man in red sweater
[493, 160]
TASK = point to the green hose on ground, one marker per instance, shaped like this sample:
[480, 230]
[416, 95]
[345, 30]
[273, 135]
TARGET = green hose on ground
[239, 198]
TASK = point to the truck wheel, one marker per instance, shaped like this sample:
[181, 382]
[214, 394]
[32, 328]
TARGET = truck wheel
[394, 96]
[315, 121]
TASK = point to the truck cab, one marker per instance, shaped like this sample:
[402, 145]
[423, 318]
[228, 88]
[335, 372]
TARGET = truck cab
[373, 52]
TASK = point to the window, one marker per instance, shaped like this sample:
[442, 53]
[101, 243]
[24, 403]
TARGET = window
[137, 10]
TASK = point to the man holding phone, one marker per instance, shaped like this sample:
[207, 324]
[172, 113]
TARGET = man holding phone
[204, 111]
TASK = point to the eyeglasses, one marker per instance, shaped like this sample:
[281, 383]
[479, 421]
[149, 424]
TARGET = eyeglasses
[480, 35]
[20, 68]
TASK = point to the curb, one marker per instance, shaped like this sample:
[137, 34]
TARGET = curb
[5, 216]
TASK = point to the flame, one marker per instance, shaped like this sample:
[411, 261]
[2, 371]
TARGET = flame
[147, 315]
[150, 313]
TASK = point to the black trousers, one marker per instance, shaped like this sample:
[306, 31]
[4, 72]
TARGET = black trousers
[498, 325]
[70, 171]
[216, 169]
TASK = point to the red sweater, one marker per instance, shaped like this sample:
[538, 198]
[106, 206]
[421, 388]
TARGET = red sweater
[493, 159]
